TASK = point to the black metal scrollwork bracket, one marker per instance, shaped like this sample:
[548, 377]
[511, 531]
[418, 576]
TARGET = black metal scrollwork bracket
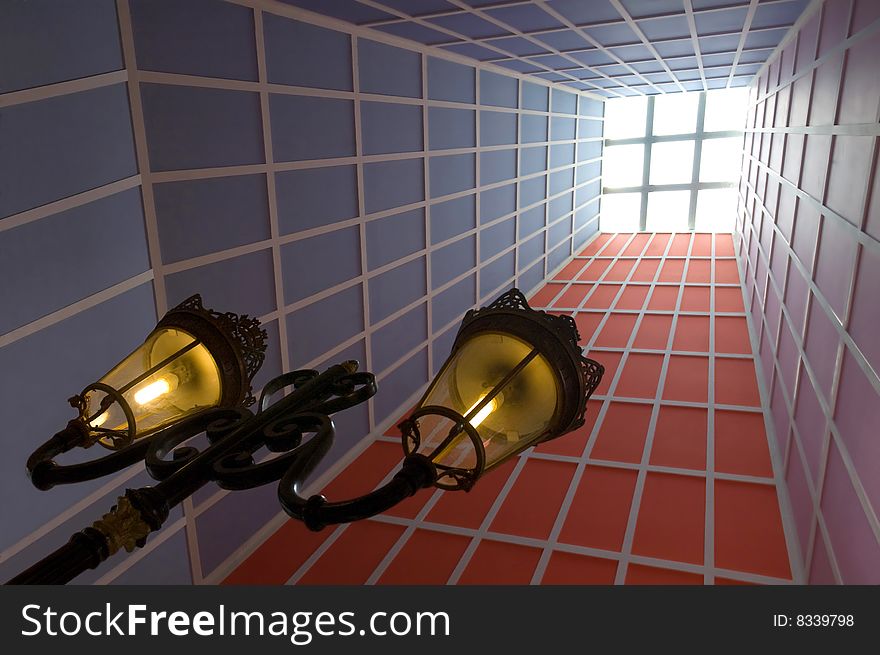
[236, 437]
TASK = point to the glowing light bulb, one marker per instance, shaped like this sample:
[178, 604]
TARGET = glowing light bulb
[490, 407]
[99, 420]
[152, 391]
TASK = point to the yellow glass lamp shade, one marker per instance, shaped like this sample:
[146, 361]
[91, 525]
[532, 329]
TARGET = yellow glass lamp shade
[515, 377]
[167, 378]
[521, 410]
[194, 359]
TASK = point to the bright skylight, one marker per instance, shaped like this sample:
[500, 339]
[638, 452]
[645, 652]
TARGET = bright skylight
[626, 209]
[726, 109]
[676, 196]
[623, 165]
[676, 114]
[672, 162]
[628, 118]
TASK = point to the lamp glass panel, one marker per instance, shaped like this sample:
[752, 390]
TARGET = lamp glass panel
[187, 382]
[519, 414]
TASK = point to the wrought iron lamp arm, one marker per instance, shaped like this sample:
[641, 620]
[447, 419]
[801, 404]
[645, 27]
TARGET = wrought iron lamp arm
[46, 473]
[416, 472]
[235, 434]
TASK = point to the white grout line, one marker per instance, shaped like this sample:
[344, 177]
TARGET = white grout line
[709, 526]
[804, 334]
[646, 165]
[794, 258]
[650, 46]
[605, 405]
[76, 200]
[850, 129]
[133, 558]
[510, 29]
[389, 39]
[695, 42]
[201, 81]
[833, 52]
[750, 15]
[361, 221]
[429, 283]
[75, 308]
[237, 251]
[478, 199]
[126, 31]
[827, 411]
[547, 185]
[610, 463]
[142, 153]
[268, 152]
[518, 164]
[530, 542]
[185, 174]
[695, 168]
[57, 89]
[629, 535]
[11, 551]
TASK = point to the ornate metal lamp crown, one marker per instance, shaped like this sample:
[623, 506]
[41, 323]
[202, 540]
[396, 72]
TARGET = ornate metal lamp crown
[242, 333]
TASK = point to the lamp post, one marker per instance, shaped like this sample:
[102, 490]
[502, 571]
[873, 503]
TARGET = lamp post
[515, 377]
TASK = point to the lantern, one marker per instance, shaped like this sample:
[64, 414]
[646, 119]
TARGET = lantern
[515, 378]
[193, 360]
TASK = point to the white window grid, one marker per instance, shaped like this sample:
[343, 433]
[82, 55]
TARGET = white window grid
[649, 139]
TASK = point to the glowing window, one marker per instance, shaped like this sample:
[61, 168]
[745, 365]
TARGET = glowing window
[625, 117]
[676, 113]
[622, 165]
[675, 195]
[672, 162]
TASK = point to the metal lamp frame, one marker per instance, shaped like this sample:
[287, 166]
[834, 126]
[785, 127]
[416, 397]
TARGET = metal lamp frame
[553, 336]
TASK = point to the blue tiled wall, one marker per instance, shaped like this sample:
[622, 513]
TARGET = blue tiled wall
[71, 226]
[357, 196]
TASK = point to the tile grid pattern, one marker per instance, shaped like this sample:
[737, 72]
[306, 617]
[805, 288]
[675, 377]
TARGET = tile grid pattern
[572, 219]
[91, 182]
[535, 513]
[811, 251]
[612, 48]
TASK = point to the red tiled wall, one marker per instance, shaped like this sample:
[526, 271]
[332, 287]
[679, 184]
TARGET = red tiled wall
[669, 481]
[809, 217]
